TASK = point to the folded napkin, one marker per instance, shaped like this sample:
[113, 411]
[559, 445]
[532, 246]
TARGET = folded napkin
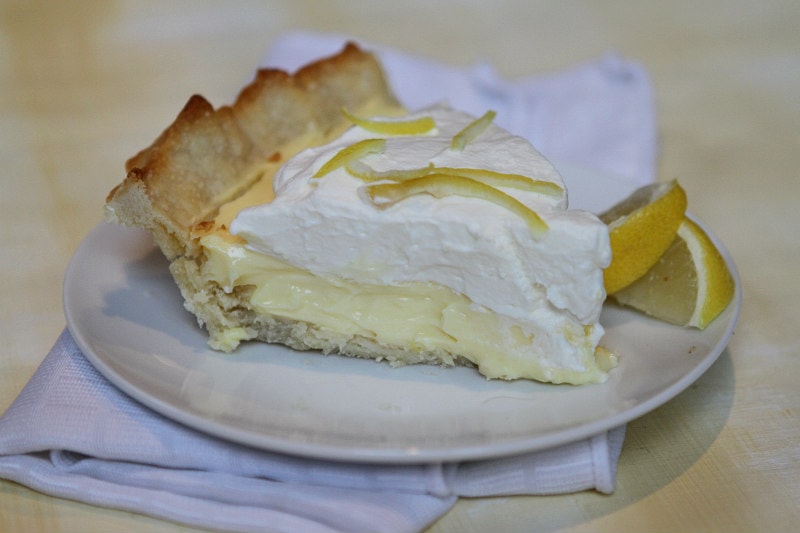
[599, 114]
[72, 434]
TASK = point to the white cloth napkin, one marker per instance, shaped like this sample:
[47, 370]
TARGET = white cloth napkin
[599, 114]
[72, 434]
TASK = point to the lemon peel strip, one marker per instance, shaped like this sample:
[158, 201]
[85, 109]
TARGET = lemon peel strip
[417, 126]
[351, 153]
[384, 195]
[690, 284]
[366, 173]
[472, 131]
[502, 179]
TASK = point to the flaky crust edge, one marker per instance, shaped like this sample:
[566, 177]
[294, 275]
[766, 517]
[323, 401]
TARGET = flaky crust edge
[206, 157]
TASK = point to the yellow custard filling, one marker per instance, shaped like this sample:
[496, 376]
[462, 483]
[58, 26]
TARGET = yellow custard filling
[423, 316]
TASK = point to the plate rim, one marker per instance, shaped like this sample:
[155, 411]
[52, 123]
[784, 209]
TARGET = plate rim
[396, 455]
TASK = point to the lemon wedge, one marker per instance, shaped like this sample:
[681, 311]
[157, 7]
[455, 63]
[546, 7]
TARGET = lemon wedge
[351, 153]
[472, 131]
[417, 126]
[384, 195]
[641, 228]
[690, 284]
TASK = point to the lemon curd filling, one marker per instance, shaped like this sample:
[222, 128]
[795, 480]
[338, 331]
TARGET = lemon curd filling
[316, 213]
[423, 316]
[399, 244]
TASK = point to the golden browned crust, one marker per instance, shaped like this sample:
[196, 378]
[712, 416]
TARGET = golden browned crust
[206, 156]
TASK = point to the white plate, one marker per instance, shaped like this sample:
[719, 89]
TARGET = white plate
[126, 314]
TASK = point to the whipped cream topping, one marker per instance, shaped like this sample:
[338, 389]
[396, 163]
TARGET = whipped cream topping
[470, 245]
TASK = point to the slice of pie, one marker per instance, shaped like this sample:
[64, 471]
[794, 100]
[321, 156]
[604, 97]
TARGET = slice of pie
[315, 212]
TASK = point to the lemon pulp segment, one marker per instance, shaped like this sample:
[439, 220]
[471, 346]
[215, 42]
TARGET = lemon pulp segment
[641, 228]
[690, 285]
[425, 316]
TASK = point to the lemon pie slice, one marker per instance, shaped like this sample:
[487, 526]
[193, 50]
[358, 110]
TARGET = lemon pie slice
[315, 212]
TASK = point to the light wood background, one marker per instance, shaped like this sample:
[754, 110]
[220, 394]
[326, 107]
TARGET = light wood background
[85, 84]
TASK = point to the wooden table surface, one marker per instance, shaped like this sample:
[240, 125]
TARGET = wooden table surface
[85, 84]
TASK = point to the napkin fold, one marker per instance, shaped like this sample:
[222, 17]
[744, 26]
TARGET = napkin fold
[72, 434]
[600, 113]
